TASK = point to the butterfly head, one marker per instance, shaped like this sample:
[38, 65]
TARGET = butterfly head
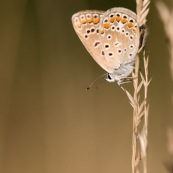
[111, 77]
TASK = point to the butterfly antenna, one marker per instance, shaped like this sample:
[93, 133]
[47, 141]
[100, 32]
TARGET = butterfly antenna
[95, 81]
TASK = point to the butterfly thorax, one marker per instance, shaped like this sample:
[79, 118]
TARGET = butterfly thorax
[121, 73]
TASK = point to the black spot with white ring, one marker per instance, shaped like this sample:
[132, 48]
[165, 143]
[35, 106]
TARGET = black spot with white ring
[123, 30]
[106, 46]
[95, 15]
[118, 15]
[131, 20]
[124, 16]
[86, 36]
[109, 37]
[113, 28]
[92, 30]
[131, 37]
[110, 54]
[88, 31]
[82, 17]
[127, 34]
[131, 46]
[111, 15]
[106, 20]
[118, 29]
[119, 51]
[88, 16]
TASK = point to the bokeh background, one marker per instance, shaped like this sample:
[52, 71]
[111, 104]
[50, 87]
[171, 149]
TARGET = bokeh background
[48, 122]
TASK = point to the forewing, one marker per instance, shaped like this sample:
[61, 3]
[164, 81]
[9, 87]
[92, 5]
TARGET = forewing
[86, 25]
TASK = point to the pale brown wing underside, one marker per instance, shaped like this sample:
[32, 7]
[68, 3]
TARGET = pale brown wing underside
[86, 24]
[120, 35]
[111, 37]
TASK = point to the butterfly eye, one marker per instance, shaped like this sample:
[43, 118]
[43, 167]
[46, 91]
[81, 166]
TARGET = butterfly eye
[109, 76]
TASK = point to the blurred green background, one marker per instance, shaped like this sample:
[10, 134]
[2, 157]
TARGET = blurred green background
[48, 122]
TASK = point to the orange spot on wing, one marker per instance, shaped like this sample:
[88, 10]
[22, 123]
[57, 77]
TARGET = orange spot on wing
[112, 19]
[124, 20]
[135, 30]
[78, 26]
[102, 31]
[83, 21]
[89, 20]
[130, 24]
[106, 25]
[96, 20]
[117, 18]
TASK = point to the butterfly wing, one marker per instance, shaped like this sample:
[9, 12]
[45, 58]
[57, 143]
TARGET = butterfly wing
[86, 24]
[120, 35]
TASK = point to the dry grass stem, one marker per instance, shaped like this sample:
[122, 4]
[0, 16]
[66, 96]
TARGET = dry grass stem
[139, 99]
[166, 17]
[140, 117]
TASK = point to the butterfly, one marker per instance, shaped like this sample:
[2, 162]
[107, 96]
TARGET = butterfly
[113, 38]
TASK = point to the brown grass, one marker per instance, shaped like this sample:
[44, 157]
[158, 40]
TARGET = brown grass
[139, 103]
